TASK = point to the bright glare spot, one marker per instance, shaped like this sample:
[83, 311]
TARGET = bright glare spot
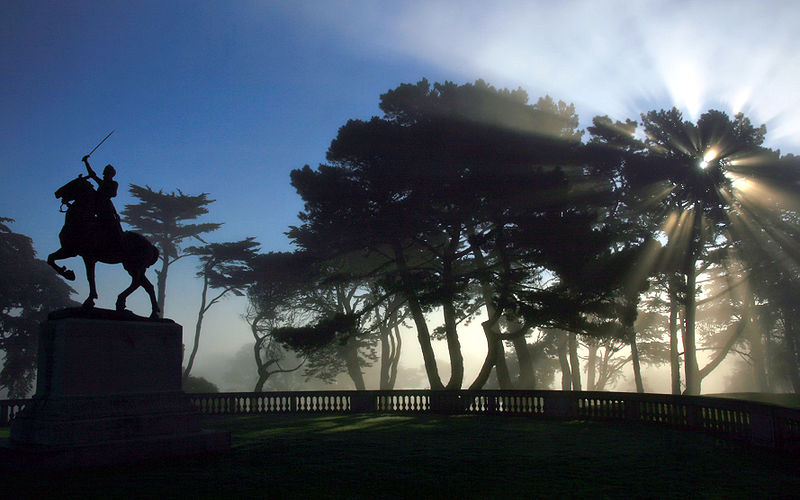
[708, 157]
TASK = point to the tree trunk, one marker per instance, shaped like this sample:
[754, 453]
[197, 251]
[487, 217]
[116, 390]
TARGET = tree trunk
[692, 370]
[563, 360]
[637, 370]
[390, 353]
[501, 367]
[397, 344]
[756, 340]
[574, 362]
[674, 358]
[792, 346]
[690, 271]
[495, 350]
[386, 357]
[161, 284]
[453, 347]
[591, 365]
[490, 360]
[759, 360]
[449, 312]
[423, 334]
[262, 379]
[350, 353]
[527, 377]
[263, 373]
[424, 338]
[603, 373]
[490, 330]
[197, 327]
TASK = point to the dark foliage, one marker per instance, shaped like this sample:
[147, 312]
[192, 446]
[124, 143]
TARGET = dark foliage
[29, 289]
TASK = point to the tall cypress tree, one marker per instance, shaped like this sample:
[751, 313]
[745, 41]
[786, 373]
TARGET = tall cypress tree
[162, 218]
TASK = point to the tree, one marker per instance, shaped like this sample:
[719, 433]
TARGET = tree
[411, 192]
[769, 242]
[161, 217]
[277, 280]
[387, 319]
[194, 384]
[223, 267]
[28, 291]
[685, 178]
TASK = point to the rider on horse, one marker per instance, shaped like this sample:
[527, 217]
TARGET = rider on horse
[106, 216]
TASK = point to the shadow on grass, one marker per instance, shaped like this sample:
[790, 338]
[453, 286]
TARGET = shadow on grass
[444, 457]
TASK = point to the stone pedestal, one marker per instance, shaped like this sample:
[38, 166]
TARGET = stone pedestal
[107, 391]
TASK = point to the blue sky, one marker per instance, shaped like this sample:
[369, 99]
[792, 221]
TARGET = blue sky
[228, 97]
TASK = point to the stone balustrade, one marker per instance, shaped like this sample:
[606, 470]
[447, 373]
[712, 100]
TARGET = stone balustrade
[760, 424]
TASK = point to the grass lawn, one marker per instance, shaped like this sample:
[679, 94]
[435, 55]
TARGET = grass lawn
[438, 457]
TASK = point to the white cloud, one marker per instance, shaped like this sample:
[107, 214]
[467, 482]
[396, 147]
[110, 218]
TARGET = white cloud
[609, 57]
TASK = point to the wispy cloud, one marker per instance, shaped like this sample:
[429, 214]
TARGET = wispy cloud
[609, 57]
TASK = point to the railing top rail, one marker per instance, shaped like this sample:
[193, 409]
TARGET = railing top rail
[694, 401]
[700, 401]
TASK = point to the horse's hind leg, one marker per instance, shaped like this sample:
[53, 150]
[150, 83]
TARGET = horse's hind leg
[59, 254]
[136, 282]
[152, 293]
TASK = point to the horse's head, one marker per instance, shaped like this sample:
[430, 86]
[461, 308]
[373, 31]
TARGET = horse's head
[76, 189]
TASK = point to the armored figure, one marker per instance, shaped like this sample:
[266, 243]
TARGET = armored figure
[108, 225]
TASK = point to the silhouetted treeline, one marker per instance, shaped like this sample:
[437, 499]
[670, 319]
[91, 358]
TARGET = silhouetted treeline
[655, 240]
[632, 243]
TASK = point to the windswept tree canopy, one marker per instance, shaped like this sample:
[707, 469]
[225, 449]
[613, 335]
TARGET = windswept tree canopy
[162, 218]
[464, 199]
[458, 187]
[29, 289]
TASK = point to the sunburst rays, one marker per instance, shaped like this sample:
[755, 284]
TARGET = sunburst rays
[756, 217]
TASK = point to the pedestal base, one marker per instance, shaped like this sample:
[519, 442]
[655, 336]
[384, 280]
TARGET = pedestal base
[107, 392]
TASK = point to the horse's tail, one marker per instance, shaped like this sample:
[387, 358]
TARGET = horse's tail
[153, 255]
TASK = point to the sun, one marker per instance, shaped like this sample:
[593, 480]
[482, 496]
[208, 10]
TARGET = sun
[708, 157]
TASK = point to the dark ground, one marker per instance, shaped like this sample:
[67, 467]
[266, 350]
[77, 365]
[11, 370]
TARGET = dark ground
[438, 457]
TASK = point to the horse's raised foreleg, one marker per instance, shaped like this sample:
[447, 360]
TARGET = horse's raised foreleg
[90, 263]
[61, 270]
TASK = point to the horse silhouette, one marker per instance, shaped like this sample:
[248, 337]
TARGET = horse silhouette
[86, 236]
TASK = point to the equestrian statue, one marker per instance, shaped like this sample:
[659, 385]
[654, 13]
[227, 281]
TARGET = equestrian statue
[92, 230]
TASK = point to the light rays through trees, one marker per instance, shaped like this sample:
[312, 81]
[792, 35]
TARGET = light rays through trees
[712, 186]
